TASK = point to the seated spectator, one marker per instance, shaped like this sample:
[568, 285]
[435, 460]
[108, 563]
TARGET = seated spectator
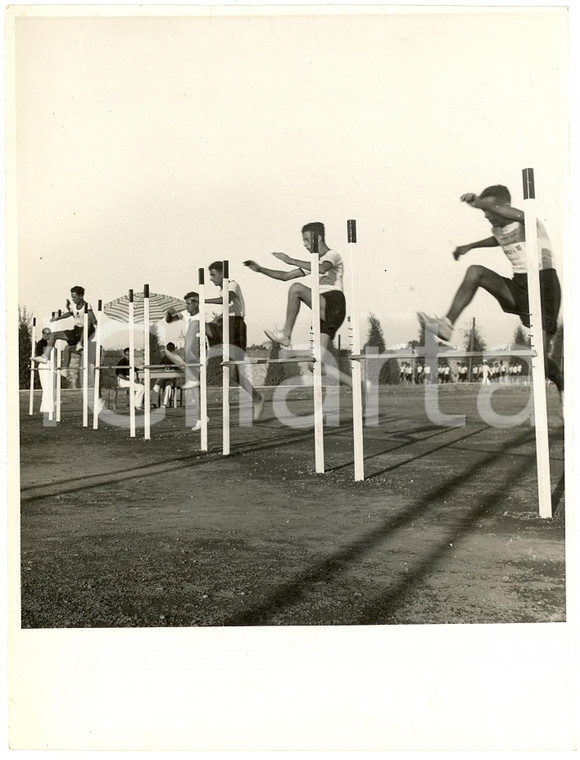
[123, 373]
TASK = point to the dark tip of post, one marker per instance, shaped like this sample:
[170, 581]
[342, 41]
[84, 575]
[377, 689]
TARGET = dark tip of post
[314, 242]
[131, 295]
[86, 307]
[351, 230]
[201, 275]
[529, 186]
[34, 321]
[145, 291]
[53, 314]
[100, 306]
[226, 270]
[59, 312]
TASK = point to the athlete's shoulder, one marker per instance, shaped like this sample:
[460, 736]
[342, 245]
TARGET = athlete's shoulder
[333, 256]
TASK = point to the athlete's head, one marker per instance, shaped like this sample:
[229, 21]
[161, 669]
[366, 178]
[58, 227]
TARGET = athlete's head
[500, 196]
[310, 231]
[191, 302]
[77, 293]
[216, 272]
[500, 192]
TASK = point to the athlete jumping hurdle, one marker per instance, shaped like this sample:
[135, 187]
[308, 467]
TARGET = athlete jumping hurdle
[508, 231]
[332, 301]
[73, 337]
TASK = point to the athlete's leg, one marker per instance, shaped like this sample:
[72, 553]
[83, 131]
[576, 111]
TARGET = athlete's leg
[551, 367]
[297, 295]
[66, 356]
[53, 337]
[480, 277]
[240, 377]
[331, 370]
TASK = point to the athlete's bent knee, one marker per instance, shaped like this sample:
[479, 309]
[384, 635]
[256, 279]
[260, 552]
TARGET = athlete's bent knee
[474, 273]
[296, 289]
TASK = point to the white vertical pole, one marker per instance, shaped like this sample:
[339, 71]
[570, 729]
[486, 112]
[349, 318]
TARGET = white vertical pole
[226, 358]
[202, 360]
[147, 362]
[50, 382]
[131, 365]
[86, 367]
[536, 333]
[318, 414]
[97, 376]
[32, 367]
[357, 410]
[58, 382]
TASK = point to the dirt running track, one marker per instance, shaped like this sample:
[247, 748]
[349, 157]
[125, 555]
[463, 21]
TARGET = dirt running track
[123, 532]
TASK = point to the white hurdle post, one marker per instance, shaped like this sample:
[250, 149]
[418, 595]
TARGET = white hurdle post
[58, 381]
[202, 361]
[357, 411]
[57, 378]
[318, 412]
[97, 376]
[51, 374]
[225, 359]
[32, 366]
[147, 362]
[86, 366]
[131, 365]
[536, 333]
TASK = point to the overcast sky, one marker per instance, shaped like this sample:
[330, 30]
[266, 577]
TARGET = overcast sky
[149, 147]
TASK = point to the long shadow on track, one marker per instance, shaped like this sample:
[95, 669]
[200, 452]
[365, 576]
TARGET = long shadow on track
[70, 485]
[290, 593]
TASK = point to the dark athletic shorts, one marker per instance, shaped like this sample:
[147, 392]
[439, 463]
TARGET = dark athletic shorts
[75, 335]
[238, 337]
[334, 312]
[550, 294]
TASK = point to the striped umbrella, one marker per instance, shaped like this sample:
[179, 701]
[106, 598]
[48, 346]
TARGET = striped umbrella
[158, 306]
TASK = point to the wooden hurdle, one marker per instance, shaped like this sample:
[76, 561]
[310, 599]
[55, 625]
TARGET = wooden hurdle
[226, 359]
[86, 366]
[357, 407]
[131, 365]
[536, 333]
[302, 358]
[317, 353]
[32, 368]
[97, 376]
[58, 378]
[203, 444]
[146, 362]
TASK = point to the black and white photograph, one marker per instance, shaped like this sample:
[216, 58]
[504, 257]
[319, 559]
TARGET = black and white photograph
[288, 318]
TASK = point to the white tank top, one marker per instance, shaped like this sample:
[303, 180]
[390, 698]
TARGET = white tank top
[512, 239]
[333, 279]
[78, 314]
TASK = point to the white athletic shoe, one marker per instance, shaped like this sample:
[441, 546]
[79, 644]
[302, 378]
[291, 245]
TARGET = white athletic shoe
[277, 336]
[197, 426]
[259, 409]
[439, 326]
[190, 384]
